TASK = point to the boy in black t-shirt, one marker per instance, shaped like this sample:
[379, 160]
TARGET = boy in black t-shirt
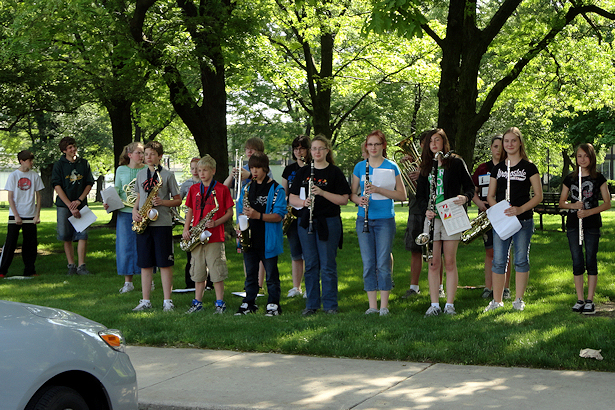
[265, 208]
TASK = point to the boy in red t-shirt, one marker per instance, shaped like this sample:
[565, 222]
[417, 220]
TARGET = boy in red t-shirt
[201, 200]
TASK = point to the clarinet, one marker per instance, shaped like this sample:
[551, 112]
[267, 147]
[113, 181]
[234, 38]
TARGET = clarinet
[366, 220]
[583, 207]
[311, 196]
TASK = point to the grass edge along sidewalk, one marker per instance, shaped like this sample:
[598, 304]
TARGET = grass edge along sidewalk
[546, 335]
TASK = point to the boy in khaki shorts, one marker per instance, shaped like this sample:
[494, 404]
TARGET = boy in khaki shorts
[201, 200]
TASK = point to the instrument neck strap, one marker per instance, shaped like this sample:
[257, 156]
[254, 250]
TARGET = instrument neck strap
[151, 180]
[211, 187]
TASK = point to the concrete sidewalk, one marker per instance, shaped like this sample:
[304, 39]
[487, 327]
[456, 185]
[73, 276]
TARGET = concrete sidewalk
[213, 379]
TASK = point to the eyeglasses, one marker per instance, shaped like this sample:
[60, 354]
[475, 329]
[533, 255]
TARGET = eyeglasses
[318, 149]
[374, 145]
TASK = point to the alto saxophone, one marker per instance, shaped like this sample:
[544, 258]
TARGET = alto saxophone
[244, 236]
[147, 211]
[197, 232]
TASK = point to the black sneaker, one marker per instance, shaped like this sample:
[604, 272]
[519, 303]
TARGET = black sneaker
[589, 308]
[273, 310]
[245, 309]
[578, 307]
[309, 312]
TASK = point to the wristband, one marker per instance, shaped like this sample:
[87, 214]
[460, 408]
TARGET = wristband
[80, 201]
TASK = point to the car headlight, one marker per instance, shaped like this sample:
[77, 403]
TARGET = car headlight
[114, 339]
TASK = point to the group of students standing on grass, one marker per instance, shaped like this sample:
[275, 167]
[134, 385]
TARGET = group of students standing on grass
[314, 190]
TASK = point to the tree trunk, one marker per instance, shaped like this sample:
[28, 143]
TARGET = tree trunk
[121, 125]
[47, 193]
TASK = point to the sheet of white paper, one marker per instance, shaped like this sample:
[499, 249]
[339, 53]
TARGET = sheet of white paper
[111, 198]
[453, 216]
[505, 226]
[384, 178]
[87, 219]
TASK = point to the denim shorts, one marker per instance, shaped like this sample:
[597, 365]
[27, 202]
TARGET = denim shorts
[521, 241]
[65, 230]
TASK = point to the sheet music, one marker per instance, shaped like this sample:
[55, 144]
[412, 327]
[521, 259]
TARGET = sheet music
[111, 198]
[453, 216]
[384, 178]
[505, 226]
[87, 219]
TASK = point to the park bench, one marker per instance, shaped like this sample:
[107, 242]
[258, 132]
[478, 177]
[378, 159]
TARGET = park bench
[550, 206]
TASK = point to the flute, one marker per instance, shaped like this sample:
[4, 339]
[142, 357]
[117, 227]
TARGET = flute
[508, 182]
[367, 196]
[580, 220]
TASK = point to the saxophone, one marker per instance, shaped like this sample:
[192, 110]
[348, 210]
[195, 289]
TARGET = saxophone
[197, 232]
[147, 211]
[244, 236]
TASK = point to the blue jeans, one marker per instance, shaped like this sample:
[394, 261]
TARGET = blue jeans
[320, 265]
[251, 259]
[126, 245]
[376, 252]
[591, 237]
[501, 249]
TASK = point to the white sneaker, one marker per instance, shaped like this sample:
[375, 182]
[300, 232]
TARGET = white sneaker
[374, 310]
[519, 304]
[441, 294]
[143, 305]
[384, 311]
[450, 310]
[433, 311]
[128, 286]
[167, 306]
[294, 292]
[493, 305]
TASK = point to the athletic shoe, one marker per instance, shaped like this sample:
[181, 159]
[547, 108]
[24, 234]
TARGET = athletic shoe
[411, 293]
[589, 308]
[519, 304]
[441, 294]
[493, 305]
[72, 269]
[82, 270]
[371, 311]
[309, 312]
[220, 309]
[167, 306]
[294, 292]
[245, 309]
[196, 306]
[332, 311]
[433, 311]
[384, 311]
[578, 307]
[272, 310]
[450, 310]
[128, 287]
[304, 295]
[506, 294]
[487, 294]
[143, 305]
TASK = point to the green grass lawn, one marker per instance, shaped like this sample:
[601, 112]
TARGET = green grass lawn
[546, 335]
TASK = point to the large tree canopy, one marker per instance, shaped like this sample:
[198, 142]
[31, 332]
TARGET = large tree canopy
[485, 47]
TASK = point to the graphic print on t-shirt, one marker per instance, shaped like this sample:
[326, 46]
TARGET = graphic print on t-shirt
[24, 184]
